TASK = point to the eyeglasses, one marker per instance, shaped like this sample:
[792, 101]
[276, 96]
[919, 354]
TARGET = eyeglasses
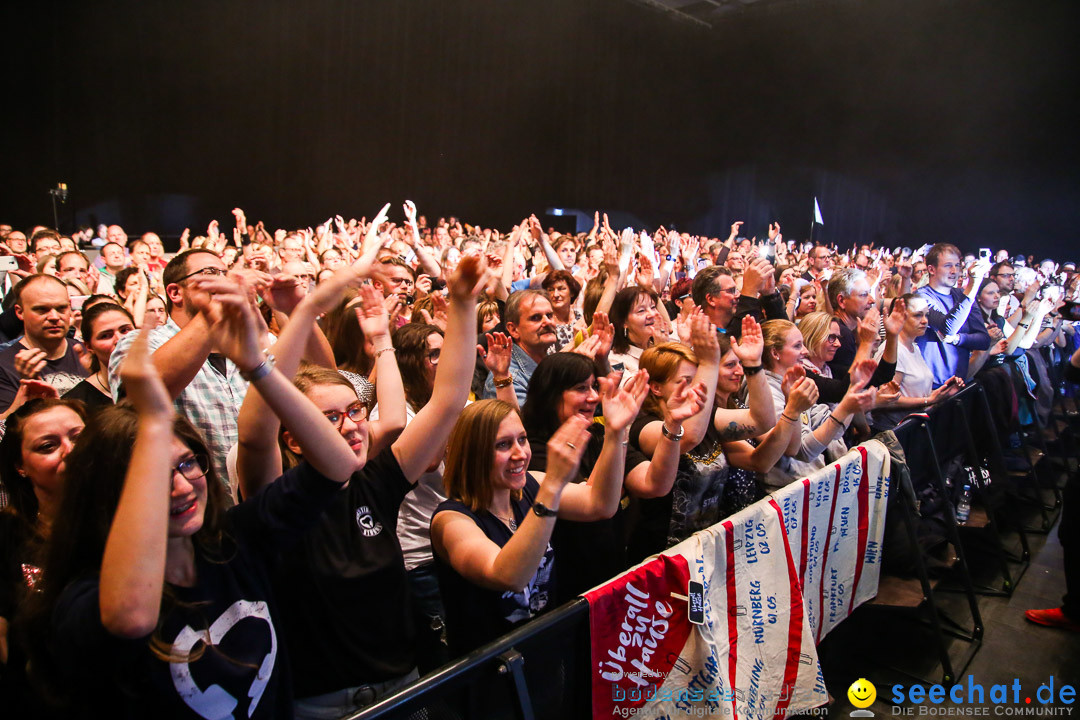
[434, 355]
[730, 291]
[357, 413]
[193, 468]
[834, 339]
[211, 271]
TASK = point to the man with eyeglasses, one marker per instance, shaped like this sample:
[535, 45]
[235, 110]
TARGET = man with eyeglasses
[715, 292]
[819, 264]
[1004, 274]
[206, 387]
[954, 331]
[850, 298]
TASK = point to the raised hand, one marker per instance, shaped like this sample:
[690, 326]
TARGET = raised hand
[371, 313]
[611, 258]
[735, 229]
[604, 331]
[468, 278]
[754, 277]
[750, 347]
[791, 378]
[894, 323]
[587, 347]
[861, 372]
[142, 381]
[241, 220]
[887, 394]
[802, 396]
[685, 319]
[686, 401]
[284, 293]
[423, 284]
[232, 320]
[703, 340]
[868, 326]
[565, 449]
[497, 356]
[621, 405]
[30, 390]
[774, 231]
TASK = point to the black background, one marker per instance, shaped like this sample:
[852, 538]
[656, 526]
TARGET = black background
[912, 120]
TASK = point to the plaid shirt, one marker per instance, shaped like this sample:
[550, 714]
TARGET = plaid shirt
[211, 401]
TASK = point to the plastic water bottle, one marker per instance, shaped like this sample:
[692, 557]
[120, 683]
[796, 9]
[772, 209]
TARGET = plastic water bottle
[963, 507]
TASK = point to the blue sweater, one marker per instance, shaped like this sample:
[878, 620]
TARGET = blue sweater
[950, 314]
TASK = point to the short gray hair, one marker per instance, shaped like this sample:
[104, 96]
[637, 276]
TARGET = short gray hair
[843, 282]
[513, 303]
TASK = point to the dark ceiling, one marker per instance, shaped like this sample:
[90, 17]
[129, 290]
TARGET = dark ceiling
[909, 119]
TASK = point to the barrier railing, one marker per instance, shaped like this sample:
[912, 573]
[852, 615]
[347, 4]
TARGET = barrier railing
[495, 675]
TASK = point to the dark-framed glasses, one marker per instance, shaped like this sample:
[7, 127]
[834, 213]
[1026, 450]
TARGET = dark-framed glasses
[193, 467]
[208, 271]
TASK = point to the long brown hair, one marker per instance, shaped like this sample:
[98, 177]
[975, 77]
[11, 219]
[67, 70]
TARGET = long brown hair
[22, 502]
[346, 337]
[410, 346]
[96, 471]
[470, 453]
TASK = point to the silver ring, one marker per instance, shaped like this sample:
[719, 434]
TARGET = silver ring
[571, 445]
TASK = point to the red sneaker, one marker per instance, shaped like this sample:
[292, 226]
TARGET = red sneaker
[1052, 617]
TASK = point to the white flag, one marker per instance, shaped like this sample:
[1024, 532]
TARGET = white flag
[817, 213]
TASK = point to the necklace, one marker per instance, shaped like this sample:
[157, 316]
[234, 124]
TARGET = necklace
[509, 521]
[102, 385]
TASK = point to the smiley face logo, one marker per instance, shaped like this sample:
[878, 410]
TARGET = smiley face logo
[862, 693]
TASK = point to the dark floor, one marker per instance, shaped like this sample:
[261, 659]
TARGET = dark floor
[889, 647]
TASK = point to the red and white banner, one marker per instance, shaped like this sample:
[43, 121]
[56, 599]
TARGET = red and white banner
[835, 522]
[763, 573]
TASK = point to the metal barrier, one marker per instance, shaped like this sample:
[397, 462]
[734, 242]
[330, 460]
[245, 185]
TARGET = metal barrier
[543, 669]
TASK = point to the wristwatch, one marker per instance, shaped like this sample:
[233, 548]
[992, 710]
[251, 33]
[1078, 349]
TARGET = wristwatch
[502, 382]
[259, 371]
[749, 370]
[543, 510]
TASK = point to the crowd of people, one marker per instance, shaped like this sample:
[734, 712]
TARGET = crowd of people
[286, 472]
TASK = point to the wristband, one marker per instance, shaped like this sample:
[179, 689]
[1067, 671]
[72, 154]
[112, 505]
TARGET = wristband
[670, 435]
[384, 350]
[789, 419]
[259, 371]
[503, 382]
[750, 370]
[833, 418]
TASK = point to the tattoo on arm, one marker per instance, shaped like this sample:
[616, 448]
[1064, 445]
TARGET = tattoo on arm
[737, 431]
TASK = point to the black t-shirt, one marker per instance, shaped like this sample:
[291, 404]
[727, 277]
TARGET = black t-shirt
[693, 504]
[343, 588]
[245, 673]
[588, 553]
[476, 615]
[63, 373]
[93, 398]
[20, 572]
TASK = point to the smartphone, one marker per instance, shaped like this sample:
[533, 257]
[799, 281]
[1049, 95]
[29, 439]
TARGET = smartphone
[77, 301]
[984, 253]
[8, 263]
[1071, 311]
